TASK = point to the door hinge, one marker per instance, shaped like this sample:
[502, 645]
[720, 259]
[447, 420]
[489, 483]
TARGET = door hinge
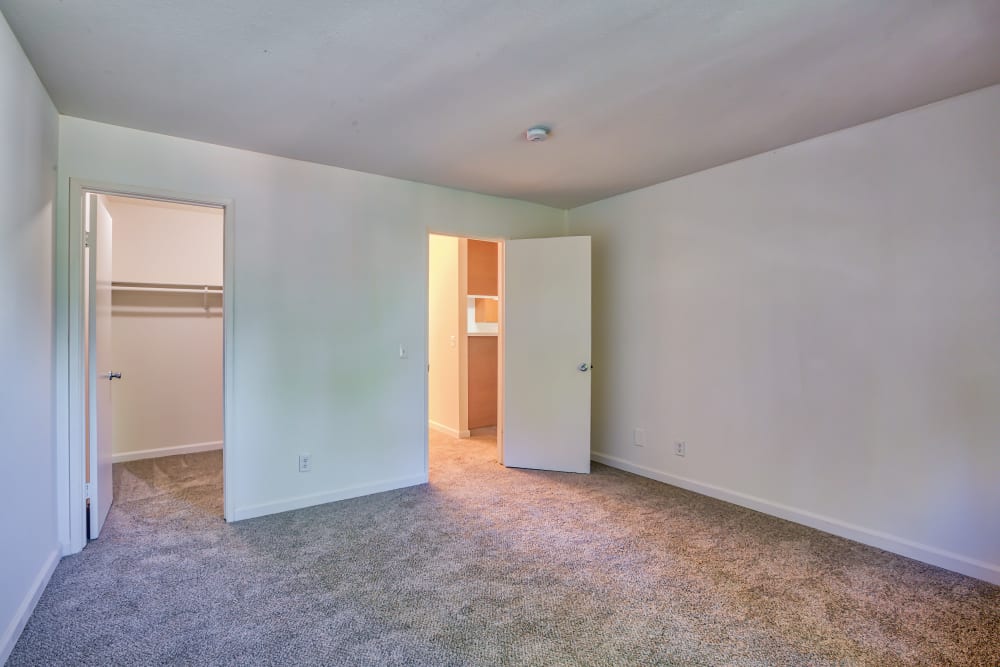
[86, 491]
[86, 239]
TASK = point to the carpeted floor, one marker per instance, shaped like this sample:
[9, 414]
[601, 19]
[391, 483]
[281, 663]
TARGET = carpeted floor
[489, 566]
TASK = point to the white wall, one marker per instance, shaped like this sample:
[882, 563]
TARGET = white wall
[166, 242]
[821, 325]
[330, 279]
[29, 140]
[167, 346]
[444, 335]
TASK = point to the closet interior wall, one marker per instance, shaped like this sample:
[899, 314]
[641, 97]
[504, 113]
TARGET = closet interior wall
[168, 345]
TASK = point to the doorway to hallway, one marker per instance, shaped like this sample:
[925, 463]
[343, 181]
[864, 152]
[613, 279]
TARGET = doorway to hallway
[535, 325]
[464, 333]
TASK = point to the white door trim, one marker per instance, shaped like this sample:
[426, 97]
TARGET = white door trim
[70, 377]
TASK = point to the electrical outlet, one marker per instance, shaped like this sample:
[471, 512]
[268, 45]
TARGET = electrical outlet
[680, 448]
[639, 437]
[305, 462]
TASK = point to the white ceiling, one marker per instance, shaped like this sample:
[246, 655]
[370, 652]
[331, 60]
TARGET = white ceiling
[439, 91]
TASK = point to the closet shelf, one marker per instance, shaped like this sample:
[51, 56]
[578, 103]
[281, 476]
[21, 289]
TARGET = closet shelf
[171, 288]
[176, 288]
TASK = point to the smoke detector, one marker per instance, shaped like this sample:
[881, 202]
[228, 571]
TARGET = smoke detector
[537, 134]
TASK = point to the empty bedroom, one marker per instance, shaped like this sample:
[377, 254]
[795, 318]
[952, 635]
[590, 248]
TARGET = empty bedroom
[413, 333]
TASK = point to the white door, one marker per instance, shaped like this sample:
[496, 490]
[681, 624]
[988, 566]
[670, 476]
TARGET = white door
[546, 358]
[100, 371]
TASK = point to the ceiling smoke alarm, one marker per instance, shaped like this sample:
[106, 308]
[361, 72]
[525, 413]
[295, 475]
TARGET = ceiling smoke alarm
[536, 134]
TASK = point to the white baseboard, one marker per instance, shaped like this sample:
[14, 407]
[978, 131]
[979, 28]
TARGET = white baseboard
[166, 451]
[299, 502]
[23, 613]
[447, 430]
[925, 553]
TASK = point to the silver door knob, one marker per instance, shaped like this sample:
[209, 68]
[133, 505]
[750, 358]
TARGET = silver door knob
[584, 367]
[114, 376]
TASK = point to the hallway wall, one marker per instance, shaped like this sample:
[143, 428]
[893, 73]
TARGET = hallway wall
[445, 397]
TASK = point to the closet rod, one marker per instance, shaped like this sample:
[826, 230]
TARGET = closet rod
[172, 290]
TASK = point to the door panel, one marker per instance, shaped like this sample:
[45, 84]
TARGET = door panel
[100, 378]
[546, 395]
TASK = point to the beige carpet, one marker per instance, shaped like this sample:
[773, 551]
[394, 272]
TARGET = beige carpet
[489, 566]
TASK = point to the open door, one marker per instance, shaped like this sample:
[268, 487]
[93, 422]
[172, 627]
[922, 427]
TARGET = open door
[101, 489]
[546, 357]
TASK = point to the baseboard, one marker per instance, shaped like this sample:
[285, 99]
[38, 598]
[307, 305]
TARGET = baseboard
[447, 430]
[300, 502]
[23, 613]
[166, 451]
[925, 553]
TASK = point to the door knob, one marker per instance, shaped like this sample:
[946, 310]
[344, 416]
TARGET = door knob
[114, 376]
[584, 367]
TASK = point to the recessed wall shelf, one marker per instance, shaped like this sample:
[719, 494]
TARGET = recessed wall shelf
[482, 315]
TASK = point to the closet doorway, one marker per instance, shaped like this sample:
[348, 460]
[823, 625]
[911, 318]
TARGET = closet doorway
[464, 341]
[153, 327]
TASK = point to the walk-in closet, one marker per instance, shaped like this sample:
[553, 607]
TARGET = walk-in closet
[166, 328]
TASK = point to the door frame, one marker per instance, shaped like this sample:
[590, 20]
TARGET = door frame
[71, 403]
[502, 271]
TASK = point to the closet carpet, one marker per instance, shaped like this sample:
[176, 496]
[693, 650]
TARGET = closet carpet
[489, 566]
